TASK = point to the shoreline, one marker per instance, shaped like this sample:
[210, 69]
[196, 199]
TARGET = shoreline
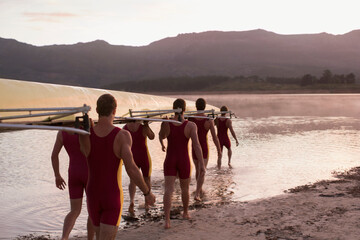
[328, 209]
[323, 91]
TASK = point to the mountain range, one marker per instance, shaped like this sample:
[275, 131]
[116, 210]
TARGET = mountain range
[213, 53]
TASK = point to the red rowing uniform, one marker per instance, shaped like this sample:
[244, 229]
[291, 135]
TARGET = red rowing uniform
[140, 151]
[177, 159]
[78, 170]
[222, 133]
[202, 135]
[104, 189]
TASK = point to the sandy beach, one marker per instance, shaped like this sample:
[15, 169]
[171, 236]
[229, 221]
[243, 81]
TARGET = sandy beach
[322, 210]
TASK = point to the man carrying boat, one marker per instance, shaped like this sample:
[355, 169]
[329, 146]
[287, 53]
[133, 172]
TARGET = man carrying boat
[106, 148]
[203, 126]
[177, 161]
[139, 134]
[223, 124]
[77, 179]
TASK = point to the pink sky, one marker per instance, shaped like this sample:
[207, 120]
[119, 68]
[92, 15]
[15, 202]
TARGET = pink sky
[140, 22]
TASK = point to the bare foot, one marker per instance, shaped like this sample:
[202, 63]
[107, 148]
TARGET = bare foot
[167, 224]
[186, 216]
[197, 198]
[131, 210]
[147, 208]
[230, 165]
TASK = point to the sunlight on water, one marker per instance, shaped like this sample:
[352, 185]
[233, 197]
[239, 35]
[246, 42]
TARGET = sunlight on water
[281, 159]
[280, 148]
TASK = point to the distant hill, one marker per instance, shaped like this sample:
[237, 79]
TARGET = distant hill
[257, 52]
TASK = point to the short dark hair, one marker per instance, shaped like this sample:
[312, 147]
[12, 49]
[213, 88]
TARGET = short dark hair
[179, 103]
[105, 105]
[200, 104]
[224, 109]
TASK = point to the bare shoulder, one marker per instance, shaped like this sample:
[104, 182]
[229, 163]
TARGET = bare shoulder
[165, 126]
[124, 133]
[191, 125]
[190, 129]
[123, 136]
[209, 123]
[228, 122]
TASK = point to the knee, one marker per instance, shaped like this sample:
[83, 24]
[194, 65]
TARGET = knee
[185, 192]
[169, 190]
[75, 212]
[185, 188]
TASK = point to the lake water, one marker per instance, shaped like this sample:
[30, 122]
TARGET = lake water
[285, 141]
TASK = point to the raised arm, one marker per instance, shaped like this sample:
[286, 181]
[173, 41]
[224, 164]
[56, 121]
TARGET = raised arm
[59, 181]
[124, 142]
[84, 141]
[85, 145]
[147, 132]
[229, 123]
[164, 133]
[216, 121]
[215, 138]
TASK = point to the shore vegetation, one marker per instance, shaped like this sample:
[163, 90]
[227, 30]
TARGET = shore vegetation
[326, 83]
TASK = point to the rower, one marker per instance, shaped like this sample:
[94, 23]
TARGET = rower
[223, 124]
[204, 124]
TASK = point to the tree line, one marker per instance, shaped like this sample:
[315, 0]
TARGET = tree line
[238, 83]
[328, 78]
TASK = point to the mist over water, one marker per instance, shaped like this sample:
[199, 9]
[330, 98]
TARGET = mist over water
[285, 141]
[267, 105]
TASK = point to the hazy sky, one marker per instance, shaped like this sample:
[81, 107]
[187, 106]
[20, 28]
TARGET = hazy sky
[140, 22]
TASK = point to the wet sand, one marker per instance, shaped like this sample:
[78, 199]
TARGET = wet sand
[323, 210]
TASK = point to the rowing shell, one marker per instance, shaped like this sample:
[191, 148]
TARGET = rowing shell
[26, 94]
[42, 127]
